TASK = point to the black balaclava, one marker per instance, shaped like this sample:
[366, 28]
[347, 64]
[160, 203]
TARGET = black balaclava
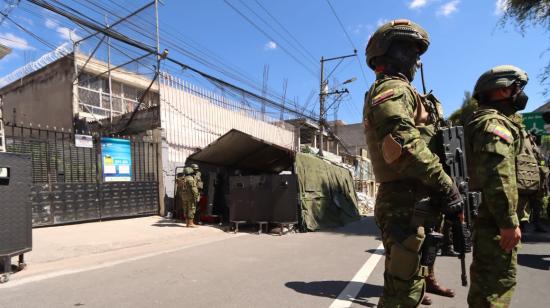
[514, 103]
[404, 58]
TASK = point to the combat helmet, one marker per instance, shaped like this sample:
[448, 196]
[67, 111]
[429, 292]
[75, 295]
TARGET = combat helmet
[501, 76]
[188, 171]
[399, 29]
[195, 167]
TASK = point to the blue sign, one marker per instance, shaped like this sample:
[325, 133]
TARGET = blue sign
[116, 156]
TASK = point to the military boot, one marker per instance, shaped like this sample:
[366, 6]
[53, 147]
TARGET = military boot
[449, 252]
[432, 286]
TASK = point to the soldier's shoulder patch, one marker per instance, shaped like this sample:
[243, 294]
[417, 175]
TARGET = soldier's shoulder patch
[501, 131]
[382, 97]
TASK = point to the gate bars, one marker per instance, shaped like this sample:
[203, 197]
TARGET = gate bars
[67, 185]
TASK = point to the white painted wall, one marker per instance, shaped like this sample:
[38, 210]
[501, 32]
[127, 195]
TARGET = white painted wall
[192, 118]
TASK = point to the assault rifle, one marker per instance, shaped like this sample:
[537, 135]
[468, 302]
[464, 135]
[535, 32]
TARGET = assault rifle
[453, 158]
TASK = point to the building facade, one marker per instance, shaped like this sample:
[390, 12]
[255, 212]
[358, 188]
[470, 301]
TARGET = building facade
[75, 91]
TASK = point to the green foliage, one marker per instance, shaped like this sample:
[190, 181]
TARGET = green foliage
[525, 13]
[469, 105]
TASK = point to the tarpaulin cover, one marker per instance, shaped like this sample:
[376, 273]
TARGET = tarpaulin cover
[242, 151]
[327, 195]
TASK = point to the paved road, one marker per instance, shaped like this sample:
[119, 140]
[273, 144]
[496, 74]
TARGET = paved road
[296, 270]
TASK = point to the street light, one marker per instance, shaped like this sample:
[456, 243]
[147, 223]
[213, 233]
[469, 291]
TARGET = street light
[352, 79]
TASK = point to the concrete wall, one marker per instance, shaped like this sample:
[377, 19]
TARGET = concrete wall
[42, 98]
[353, 137]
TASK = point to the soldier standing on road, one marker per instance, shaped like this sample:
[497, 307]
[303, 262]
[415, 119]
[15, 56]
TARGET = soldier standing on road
[200, 185]
[399, 125]
[499, 166]
[189, 195]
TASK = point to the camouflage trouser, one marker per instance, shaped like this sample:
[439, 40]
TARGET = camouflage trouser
[493, 271]
[394, 210]
[189, 209]
[527, 205]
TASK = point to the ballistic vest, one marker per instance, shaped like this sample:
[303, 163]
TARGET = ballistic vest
[527, 167]
[426, 116]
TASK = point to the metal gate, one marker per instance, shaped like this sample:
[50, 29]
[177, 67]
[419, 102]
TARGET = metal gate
[67, 184]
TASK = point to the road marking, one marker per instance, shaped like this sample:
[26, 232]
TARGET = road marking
[22, 281]
[344, 300]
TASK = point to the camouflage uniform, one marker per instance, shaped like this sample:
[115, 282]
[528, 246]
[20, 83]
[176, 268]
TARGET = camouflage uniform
[496, 164]
[200, 185]
[532, 192]
[189, 193]
[399, 126]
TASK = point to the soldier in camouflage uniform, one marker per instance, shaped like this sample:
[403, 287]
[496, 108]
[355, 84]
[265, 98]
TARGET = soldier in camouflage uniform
[531, 195]
[399, 126]
[188, 194]
[498, 166]
[200, 185]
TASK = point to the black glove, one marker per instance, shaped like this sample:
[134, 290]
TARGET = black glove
[452, 203]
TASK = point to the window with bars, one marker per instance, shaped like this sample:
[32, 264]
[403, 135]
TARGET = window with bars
[94, 96]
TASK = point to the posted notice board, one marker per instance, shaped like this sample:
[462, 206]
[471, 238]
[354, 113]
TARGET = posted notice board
[116, 156]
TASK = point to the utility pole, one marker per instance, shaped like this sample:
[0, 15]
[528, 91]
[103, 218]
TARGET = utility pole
[285, 84]
[324, 93]
[2, 135]
[264, 89]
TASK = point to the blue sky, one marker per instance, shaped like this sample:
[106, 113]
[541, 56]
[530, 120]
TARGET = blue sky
[466, 40]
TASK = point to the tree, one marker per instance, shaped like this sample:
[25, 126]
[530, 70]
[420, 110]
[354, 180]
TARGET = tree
[525, 12]
[469, 105]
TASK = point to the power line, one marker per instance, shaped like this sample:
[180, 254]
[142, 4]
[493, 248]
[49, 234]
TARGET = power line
[235, 75]
[278, 33]
[285, 29]
[94, 25]
[36, 37]
[271, 38]
[349, 39]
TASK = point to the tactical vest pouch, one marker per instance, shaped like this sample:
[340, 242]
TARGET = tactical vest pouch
[527, 174]
[181, 187]
[405, 258]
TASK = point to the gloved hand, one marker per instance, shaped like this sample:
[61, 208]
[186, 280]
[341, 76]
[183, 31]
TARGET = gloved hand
[452, 203]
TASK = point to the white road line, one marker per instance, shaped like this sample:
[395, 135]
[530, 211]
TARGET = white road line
[344, 300]
[22, 281]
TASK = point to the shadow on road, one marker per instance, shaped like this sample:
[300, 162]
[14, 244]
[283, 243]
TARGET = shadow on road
[365, 226]
[165, 222]
[332, 289]
[534, 237]
[540, 262]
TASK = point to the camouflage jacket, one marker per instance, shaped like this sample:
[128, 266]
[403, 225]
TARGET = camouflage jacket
[399, 124]
[187, 188]
[493, 141]
[198, 178]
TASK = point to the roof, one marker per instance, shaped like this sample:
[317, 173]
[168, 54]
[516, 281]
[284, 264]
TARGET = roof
[242, 151]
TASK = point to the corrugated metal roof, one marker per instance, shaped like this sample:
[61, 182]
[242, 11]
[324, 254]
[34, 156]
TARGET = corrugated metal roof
[242, 151]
